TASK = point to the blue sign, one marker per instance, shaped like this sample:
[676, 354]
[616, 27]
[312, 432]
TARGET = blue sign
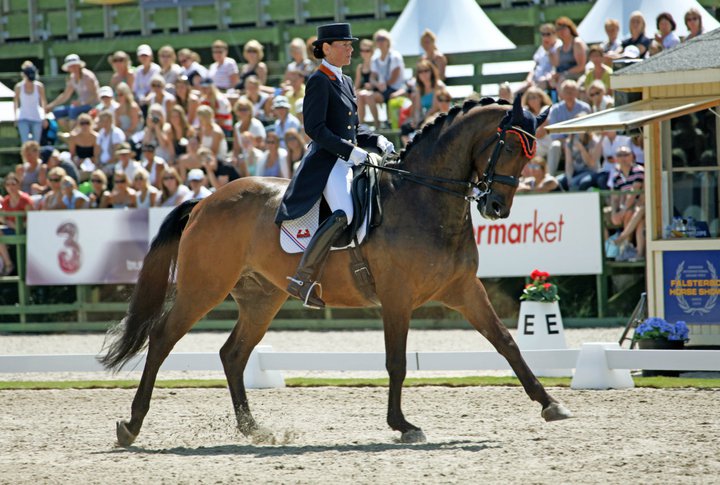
[691, 286]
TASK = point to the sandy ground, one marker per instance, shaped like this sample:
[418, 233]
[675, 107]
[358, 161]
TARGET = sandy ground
[339, 435]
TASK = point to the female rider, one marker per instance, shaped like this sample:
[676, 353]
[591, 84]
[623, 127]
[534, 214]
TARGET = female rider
[331, 121]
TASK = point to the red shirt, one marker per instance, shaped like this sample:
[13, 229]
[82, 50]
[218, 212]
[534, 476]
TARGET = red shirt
[24, 202]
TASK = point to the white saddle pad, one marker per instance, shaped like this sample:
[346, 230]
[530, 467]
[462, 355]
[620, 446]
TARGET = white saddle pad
[296, 234]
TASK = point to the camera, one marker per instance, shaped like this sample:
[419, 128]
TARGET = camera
[155, 119]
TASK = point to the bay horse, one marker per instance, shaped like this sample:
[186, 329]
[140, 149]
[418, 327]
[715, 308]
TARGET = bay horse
[424, 250]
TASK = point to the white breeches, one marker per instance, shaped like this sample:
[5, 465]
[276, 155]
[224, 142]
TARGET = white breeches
[337, 189]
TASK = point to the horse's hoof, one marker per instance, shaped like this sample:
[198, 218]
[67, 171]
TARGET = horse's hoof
[262, 436]
[413, 436]
[124, 437]
[555, 412]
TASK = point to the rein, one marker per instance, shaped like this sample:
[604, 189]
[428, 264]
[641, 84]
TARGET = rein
[481, 189]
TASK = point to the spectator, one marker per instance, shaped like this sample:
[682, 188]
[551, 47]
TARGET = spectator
[536, 100]
[295, 90]
[29, 104]
[542, 73]
[655, 48]
[254, 66]
[693, 22]
[196, 180]
[666, 35]
[32, 168]
[246, 154]
[224, 71]
[570, 107]
[155, 166]
[173, 191]
[109, 138]
[310, 50]
[432, 53]
[274, 161]
[218, 172]
[49, 130]
[107, 101]
[363, 86]
[210, 134]
[157, 132]
[444, 99]
[169, 69]
[636, 145]
[387, 72]
[597, 71]
[539, 180]
[81, 82]
[428, 82]
[581, 162]
[190, 63]
[295, 148]
[628, 210]
[52, 199]
[247, 122]
[505, 92]
[126, 163]
[187, 98]
[98, 193]
[128, 115]
[637, 34]
[72, 198]
[300, 61]
[159, 95]
[261, 101]
[15, 201]
[64, 160]
[283, 119]
[122, 70]
[599, 101]
[211, 96]
[146, 195]
[122, 195]
[145, 73]
[570, 58]
[83, 142]
[609, 143]
[180, 132]
[612, 44]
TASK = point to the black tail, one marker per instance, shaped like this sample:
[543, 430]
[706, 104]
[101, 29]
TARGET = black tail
[148, 299]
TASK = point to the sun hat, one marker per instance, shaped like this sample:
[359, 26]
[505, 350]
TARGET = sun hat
[72, 60]
[281, 102]
[124, 147]
[105, 92]
[195, 174]
[144, 50]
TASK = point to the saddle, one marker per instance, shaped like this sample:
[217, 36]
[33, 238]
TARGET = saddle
[367, 209]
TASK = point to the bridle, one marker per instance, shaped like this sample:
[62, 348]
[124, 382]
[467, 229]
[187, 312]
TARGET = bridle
[483, 187]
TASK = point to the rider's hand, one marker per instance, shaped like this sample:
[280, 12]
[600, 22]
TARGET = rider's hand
[357, 156]
[385, 145]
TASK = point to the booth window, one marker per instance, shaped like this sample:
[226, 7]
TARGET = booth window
[691, 169]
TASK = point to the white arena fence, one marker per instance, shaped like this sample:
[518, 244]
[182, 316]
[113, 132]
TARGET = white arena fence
[596, 365]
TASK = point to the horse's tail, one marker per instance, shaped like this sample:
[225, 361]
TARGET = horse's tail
[147, 303]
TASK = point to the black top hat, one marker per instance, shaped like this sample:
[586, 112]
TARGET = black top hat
[331, 32]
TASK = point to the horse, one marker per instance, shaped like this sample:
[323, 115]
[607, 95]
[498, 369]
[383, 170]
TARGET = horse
[424, 250]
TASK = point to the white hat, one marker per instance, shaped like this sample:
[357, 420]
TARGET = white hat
[281, 102]
[144, 50]
[72, 60]
[195, 174]
[105, 92]
[65, 157]
[631, 52]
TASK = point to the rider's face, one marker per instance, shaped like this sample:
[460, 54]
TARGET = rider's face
[338, 52]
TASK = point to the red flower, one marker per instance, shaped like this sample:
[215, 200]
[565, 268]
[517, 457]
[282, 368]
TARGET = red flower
[528, 285]
[539, 275]
[547, 286]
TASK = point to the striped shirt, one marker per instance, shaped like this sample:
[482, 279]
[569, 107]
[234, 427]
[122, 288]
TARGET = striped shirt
[623, 183]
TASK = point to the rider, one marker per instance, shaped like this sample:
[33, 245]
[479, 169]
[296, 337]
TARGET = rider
[331, 121]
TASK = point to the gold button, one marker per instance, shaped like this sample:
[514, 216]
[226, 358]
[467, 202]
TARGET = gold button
[349, 113]
[349, 127]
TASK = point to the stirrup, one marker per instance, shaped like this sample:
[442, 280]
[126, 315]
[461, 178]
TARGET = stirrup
[308, 294]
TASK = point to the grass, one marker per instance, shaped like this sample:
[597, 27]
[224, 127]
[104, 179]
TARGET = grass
[651, 382]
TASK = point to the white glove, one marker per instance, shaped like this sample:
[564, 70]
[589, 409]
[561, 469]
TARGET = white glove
[357, 156]
[385, 145]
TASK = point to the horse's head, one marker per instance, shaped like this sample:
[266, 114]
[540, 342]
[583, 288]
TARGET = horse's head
[500, 173]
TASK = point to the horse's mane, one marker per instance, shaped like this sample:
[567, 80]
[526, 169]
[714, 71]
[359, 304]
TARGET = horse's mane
[443, 119]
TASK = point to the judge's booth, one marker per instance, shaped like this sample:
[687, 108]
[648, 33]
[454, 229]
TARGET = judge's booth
[682, 199]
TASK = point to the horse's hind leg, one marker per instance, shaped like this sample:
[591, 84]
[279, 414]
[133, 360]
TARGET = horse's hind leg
[258, 303]
[470, 298]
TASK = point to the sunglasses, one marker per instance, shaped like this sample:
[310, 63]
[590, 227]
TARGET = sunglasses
[271, 142]
[365, 50]
[96, 181]
[138, 179]
[54, 179]
[596, 93]
[156, 85]
[420, 71]
[692, 19]
[120, 181]
[251, 51]
[444, 100]
[84, 123]
[243, 109]
[118, 60]
[546, 34]
[622, 154]
[169, 178]
[10, 184]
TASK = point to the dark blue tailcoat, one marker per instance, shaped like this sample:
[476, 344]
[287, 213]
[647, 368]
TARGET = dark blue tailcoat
[331, 121]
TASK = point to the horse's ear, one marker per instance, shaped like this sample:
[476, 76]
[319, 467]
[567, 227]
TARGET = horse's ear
[539, 120]
[517, 109]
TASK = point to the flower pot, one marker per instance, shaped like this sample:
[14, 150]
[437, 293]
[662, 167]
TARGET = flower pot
[660, 344]
[540, 327]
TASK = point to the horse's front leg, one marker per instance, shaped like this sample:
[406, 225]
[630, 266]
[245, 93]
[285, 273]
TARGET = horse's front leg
[470, 298]
[396, 321]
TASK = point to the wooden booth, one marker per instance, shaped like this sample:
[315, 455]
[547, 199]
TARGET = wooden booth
[678, 115]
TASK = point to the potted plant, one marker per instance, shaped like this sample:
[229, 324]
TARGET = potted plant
[657, 333]
[540, 324]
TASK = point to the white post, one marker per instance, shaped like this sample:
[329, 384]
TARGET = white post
[592, 371]
[540, 327]
[258, 378]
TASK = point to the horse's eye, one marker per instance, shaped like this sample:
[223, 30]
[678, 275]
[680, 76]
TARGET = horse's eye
[508, 149]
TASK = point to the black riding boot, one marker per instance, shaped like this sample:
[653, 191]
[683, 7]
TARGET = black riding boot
[304, 284]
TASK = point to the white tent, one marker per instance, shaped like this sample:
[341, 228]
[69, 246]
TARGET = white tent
[460, 26]
[592, 28]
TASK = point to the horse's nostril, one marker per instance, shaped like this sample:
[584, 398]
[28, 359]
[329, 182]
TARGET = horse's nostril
[496, 207]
